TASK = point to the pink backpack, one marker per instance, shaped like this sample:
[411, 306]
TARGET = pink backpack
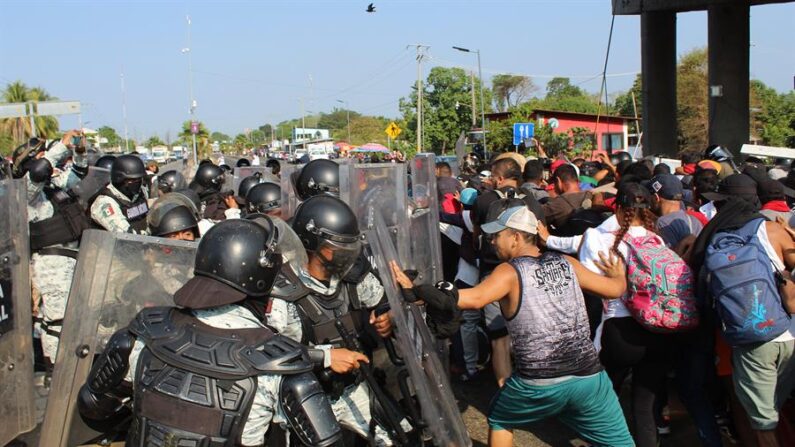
[660, 286]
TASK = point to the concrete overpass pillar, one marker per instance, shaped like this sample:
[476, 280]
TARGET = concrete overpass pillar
[658, 61]
[729, 35]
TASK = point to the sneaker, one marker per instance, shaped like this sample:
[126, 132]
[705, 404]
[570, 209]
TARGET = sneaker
[467, 377]
[664, 430]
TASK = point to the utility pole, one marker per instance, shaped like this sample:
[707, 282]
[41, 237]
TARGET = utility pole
[190, 87]
[421, 49]
[482, 105]
[348, 113]
[124, 112]
[474, 114]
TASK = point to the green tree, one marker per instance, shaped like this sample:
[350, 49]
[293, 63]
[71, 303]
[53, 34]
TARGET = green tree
[18, 130]
[772, 115]
[266, 129]
[113, 138]
[368, 129]
[257, 137]
[691, 97]
[220, 137]
[153, 141]
[337, 120]
[203, 146]
[511, 90]
[442, 120]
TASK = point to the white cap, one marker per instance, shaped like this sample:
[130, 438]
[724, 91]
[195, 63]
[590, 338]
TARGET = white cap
[518, 218]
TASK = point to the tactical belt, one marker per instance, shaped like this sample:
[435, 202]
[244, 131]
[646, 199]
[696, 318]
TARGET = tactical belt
[48, 326]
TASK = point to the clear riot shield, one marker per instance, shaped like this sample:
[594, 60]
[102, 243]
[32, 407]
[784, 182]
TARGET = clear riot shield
[426, 247]
[17, 408]
[290, 200]
[379, 188]
[245, 171]
[116, 276]
[417, 348]
[87, 188]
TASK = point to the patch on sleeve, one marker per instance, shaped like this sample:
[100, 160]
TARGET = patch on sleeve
[107, 210]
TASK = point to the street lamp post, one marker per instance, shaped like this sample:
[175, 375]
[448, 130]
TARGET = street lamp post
[482, 108]
[348, 113]
[190, 86]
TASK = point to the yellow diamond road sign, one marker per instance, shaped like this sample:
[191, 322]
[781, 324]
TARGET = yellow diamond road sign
[393, 130]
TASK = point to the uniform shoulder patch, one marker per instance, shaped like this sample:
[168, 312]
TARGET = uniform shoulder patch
[107, 210]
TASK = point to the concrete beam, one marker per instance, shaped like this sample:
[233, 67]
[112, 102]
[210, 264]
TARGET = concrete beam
[658, 65]
[635, 7]
[729, 34]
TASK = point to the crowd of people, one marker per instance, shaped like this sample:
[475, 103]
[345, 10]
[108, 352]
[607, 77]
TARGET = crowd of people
[590, 277]
[705, 252]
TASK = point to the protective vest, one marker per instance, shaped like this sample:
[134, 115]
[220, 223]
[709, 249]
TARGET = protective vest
[319, 312]
[195, 384]
[134, 211]
[66, 225]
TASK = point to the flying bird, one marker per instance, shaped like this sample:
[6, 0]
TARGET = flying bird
[370, 8]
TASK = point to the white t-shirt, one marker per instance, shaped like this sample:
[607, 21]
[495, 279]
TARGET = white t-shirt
[570, 245]
[709, 210]
[595, 241]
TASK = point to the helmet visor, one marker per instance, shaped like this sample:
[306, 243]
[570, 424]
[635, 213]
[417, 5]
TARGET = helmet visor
[339, 257]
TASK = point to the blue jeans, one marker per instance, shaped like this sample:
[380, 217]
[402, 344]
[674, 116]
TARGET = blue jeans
[469, 339]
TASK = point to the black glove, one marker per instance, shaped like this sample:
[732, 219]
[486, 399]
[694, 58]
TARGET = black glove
[443, 315]
[443, 296]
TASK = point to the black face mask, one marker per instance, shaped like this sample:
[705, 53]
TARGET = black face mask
[131, 188]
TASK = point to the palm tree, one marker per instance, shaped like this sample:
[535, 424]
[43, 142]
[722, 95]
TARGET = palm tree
[19, 128]
[202, 138]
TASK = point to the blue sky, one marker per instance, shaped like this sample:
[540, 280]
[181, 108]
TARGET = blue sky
[254, 60]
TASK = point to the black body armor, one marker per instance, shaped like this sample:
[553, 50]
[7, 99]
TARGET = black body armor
[67, 223]
[134, 211]
[319, 312]
[195, 384]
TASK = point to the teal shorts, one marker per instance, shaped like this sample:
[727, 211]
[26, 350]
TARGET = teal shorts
[586, 404]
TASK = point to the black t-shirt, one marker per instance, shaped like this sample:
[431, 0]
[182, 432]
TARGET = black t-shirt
[488, 207]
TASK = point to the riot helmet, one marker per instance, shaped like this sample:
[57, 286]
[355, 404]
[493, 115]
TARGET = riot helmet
[717, 153]
[127, 175]
[225, 167]
[171, 181]
[24, 153]
[328, 228]
[247, 183]
[39, 170]
[105, 162]
[618, 156]
[318, 177]
[209, 177]
[170, 217]
[189, 196]
[275, 166]
[264, 197]
[241, 254]
[243, 162]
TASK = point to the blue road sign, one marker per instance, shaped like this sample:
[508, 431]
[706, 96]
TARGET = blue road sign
[522, 131]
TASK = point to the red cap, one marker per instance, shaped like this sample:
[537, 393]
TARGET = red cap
[556, 164]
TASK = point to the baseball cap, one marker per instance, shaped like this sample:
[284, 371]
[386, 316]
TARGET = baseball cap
[739, 185]
[769, 189]
[710, 165]
[469, 196]
[517, 218]
[667, 186]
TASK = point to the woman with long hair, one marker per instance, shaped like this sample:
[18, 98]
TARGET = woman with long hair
[625, 346]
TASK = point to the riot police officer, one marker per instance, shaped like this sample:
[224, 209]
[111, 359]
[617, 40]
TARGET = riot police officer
[310, 300]
[207, 183]
[265, 198]
[173, 220]
[247, 183]
[56, 222]
[171, 181]
[105, 162]
[319, 176]
[122, 205]
[231, 375]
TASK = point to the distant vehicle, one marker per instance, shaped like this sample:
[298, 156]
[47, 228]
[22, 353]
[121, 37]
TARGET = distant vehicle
[160, 155]
[145, 157]
[316, 154]
[178, 152]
